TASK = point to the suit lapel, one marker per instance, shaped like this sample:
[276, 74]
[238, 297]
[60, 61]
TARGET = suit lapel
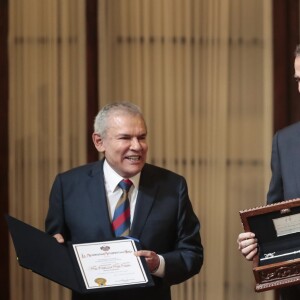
[98, 198]
[145, 201]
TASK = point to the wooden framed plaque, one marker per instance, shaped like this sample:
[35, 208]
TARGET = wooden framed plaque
[277, 229]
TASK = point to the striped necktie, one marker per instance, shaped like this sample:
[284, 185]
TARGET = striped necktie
[121, 218]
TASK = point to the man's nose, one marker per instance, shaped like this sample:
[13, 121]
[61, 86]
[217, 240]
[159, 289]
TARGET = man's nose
[135, 143]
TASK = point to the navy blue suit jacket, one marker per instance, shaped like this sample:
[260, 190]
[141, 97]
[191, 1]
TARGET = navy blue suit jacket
[285, 164]
[164, 222]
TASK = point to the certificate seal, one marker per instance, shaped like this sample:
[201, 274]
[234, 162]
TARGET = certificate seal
[100, 281]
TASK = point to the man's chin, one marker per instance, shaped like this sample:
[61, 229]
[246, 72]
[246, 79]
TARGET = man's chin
[133, 169]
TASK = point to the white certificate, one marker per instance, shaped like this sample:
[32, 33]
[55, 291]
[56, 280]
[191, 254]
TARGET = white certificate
[287, 225]
[110, 264]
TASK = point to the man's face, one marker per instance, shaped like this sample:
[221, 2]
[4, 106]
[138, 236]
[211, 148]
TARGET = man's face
[297, 71]
[124, 144]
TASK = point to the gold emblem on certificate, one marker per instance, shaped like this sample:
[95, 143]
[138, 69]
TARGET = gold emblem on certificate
[100, 281]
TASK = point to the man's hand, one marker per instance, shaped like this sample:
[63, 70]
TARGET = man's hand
[247, 244]
[151, 257]
[59, 238]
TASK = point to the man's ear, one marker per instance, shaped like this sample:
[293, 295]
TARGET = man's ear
[98, 142]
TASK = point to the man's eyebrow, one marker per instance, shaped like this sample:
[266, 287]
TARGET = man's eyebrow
[124, 135]
[129, 135]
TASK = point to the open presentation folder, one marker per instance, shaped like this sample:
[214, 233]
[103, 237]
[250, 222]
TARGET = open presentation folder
[41, 253]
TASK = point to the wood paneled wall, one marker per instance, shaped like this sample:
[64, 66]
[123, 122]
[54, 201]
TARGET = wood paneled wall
[4, 151]
[47, 116]
[286, 99]
[92, 77]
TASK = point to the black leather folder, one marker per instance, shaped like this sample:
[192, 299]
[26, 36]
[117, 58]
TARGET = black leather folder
[41, 253]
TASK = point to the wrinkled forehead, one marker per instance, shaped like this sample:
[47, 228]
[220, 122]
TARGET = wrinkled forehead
[125, 120]
[124, 115]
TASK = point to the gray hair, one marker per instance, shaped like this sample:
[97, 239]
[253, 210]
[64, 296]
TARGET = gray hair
[100, 123]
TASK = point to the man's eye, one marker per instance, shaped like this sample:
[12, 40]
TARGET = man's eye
[297, 79]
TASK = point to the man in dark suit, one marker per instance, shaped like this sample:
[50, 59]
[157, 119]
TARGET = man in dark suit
[83, 201]
[285, 181]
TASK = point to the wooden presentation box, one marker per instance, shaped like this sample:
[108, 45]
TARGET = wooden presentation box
[277, 228]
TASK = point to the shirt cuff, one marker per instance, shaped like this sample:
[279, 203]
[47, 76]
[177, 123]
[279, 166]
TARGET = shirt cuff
[160, 271]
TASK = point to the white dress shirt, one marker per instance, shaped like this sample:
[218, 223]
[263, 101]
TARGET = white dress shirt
[114, 192]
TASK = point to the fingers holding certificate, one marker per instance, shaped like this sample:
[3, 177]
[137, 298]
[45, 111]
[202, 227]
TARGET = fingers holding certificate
[153, 260]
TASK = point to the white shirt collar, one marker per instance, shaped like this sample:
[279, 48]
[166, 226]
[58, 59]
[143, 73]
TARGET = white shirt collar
[112, 178]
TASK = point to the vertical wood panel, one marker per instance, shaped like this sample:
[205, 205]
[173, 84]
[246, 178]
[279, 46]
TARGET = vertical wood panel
[92, 73]
[286, 37]
[47, 117]
[4, 95]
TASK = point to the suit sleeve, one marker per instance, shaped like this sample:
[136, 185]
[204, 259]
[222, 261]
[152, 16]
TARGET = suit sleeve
[187, 258]
[275, 193]
[55, 217]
